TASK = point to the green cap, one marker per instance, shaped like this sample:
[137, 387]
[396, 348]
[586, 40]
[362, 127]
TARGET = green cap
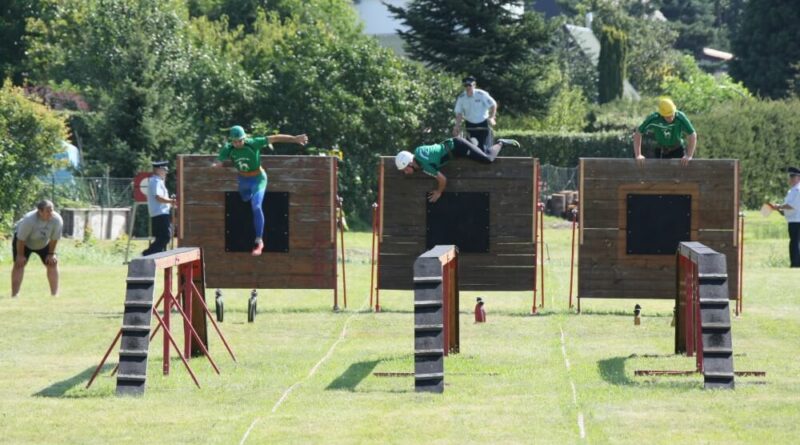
[237, 133]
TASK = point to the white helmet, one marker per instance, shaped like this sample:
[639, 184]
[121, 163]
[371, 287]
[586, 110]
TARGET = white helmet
[403, 159]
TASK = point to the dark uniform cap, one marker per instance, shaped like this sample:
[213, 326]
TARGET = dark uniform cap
[161, 164]
[793, 171]
[468, 79]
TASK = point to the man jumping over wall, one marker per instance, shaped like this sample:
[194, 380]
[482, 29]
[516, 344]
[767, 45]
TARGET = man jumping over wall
[245, 153]
[431, 158]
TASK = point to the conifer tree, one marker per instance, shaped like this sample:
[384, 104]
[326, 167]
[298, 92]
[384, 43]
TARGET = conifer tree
[494, 40]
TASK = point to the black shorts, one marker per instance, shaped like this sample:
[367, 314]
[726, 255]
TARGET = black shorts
[43, 252]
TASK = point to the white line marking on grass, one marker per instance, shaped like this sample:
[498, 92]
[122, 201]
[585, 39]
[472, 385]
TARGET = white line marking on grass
[581, 426]
[310, 373]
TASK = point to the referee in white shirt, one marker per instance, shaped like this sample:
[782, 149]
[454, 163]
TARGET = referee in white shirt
[478, 109]
[158, 205]
[790, 209]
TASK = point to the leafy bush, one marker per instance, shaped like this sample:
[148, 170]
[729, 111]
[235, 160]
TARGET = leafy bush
[564, 149]
[763, 135]
[30, 134]
[695, 91]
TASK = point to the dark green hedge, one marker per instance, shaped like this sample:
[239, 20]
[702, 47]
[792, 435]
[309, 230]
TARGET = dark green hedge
[564, 149]
[763, 135]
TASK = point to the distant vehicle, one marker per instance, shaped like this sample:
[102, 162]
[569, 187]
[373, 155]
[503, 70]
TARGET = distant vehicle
[67, 161]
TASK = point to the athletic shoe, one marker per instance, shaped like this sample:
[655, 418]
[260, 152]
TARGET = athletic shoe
[257, 250]
[508, 142]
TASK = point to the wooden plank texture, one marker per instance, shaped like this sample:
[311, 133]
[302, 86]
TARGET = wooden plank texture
[605, 269]
[509, 264]
[311, 260]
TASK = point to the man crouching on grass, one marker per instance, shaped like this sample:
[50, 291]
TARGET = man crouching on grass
[38, 231]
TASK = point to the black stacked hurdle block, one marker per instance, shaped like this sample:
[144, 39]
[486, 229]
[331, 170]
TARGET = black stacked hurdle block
[435, 315]
[135, 342]
[716, 344]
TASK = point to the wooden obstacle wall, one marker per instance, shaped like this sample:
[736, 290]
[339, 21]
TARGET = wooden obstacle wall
[309, 263]
[509, 263]
[606, 269]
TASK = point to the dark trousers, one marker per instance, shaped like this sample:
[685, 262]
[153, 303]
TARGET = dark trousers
[794, 243]
[162, 231]
[481, 132]
[670, 152]
[463, 148]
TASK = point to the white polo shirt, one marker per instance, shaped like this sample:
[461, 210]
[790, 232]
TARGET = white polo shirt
[475, 108]
[156, 187]
[793, 199]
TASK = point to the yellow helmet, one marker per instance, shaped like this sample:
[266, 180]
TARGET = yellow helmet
[666, 107]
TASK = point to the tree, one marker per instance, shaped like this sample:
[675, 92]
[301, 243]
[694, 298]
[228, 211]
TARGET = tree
[490, 39]
[30, 134]
[650, 56]
[695, 91]
[127, 57]
[765, 47]
[13, 16]
[611, 66]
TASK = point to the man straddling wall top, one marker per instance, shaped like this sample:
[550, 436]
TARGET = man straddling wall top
[38, 231]
[668, 126]
[478, 109]
[790, 209]
[158, 206]
[431, 158]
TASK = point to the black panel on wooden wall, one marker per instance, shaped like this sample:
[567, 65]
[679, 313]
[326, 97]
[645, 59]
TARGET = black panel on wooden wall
[239, 230]
[656, 224]
[460, 219]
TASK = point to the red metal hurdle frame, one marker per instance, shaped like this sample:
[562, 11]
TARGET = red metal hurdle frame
[189, 265]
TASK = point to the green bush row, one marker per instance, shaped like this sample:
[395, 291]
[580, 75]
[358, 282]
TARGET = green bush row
[763, 135]
[564, 149]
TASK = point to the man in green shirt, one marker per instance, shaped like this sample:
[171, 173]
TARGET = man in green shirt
[245, 155]
[431, 158]
[668, 125]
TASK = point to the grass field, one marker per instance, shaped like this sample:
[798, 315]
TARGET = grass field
[305, 374]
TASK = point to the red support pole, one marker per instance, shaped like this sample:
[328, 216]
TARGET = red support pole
[168, 302]
[688, 325]
[192, 333]
[378, 270]
[105, 357]
[572, 255]
[446, 309]
[341, 237]
[535, 258]
[739, 297]
[372, 251]
[177, 348]
[196, 293]
[541, 237]
[698, 332]
[185, 291]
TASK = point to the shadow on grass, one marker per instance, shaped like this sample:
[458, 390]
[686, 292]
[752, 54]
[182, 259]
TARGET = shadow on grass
[612, 370]
[60, 389]
[353, 376]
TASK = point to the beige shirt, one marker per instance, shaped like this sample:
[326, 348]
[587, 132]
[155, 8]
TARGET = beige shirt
[37, 233]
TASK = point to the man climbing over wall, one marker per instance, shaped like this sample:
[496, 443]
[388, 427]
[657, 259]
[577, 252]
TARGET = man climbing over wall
[668, 125]
[431, 158]
[245, 153]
